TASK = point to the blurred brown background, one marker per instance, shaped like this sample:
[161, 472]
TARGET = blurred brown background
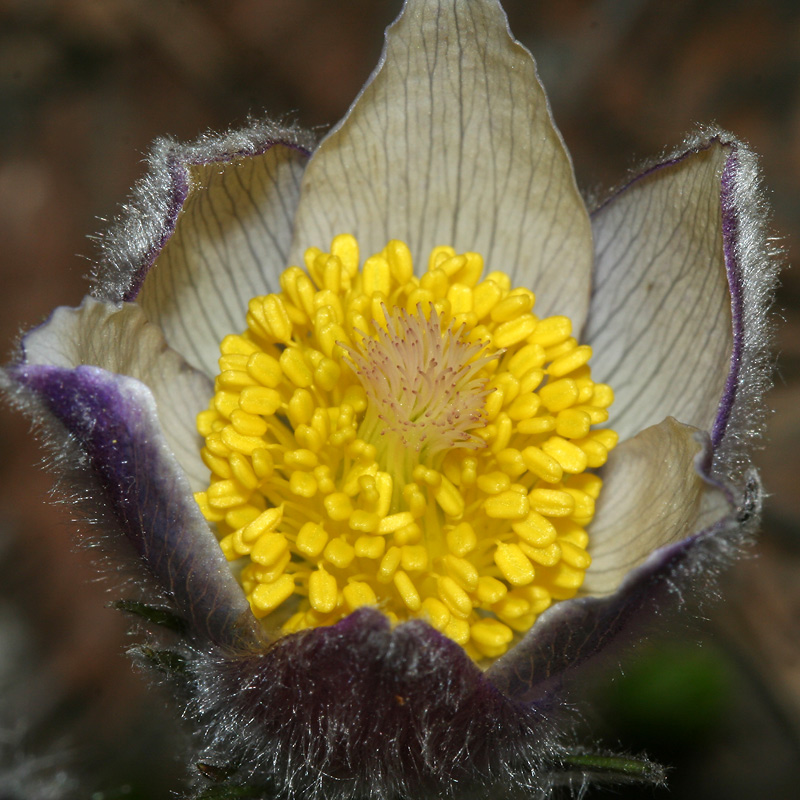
[86, 85]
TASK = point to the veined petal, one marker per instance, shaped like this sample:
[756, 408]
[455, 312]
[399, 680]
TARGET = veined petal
[660, 321]
[452, 142]
[120, 339]
[661, 520]
[112, 419]
[653, 496]
[209, 228]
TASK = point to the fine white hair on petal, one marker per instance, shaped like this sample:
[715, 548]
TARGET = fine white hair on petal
[135, 238]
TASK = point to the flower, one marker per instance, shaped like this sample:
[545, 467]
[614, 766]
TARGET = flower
[450, 143]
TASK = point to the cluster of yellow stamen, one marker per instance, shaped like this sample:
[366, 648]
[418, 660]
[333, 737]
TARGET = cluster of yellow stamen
[417, 444]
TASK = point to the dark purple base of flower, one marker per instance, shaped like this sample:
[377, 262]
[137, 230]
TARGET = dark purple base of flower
[359, 710]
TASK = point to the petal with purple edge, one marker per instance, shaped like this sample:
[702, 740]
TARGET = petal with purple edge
[653, 496]
[223, 238]
[660, 518]
[660, 321]
[452, 142]
[114, 422]
[119, 339]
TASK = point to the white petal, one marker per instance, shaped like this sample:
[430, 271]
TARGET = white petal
[452, 142]
[230, 244]
[652, 496]
[120, 340]
[660, 320]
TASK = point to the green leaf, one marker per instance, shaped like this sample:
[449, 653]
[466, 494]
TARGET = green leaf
[614, 769]
[153, 614]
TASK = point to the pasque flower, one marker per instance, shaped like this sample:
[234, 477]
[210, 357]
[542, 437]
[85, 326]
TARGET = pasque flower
[398, 562]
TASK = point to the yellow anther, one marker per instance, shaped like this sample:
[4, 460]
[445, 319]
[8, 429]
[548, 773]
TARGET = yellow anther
[267, 597]
[220, 466]
[542, 465]
[211, 513]
[389, 564]
[514, 564]
[394, 522]
[491, 634]
[259, 400]
[457, 630]
[450, 499]
[569, 456]
[237, 345]
[262, 462]
[559, 395]
[463, 572]
[405, 586]
[345, 248]
[547, 556]
[512, 607]
[269, 549]
[248, 424]
[414, 443]
[524, 406]
[241, 516]
[584, 505]
[552, 502]
[377, 277]
[339, 553]
[461, 540]
[414, 558]
[303, 484]
[515, 331]
[238, 442]
[357, 594]
[265, 522]
[370, 546]
[311, 540]
[295, 368]
[226, 402]
[274, 318]
[575, 556]
[513, 307]
[322, 591]
[536, 530]
[399, 257]
[436, 612]
[454, 597]
[573, 423]
[509, 505]
[494, 482]
[439, 255]
[225, 494]
[570, 361]
[365, 521]
[234, 380]
[537, 425]
[589, 483]
[264, 369]
[552, 331]
[490, 590]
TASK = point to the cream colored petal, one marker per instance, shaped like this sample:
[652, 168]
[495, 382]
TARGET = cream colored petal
[660, 320]
[122, 341]
[452, 142]
[230, 244]
[652, 496]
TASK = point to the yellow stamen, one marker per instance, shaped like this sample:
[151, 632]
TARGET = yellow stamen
[417, 444]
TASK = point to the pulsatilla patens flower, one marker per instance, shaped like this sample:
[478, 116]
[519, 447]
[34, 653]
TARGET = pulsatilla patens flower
[400, 435]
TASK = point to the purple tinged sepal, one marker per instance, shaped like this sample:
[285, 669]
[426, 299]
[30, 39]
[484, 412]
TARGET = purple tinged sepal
[107, 425]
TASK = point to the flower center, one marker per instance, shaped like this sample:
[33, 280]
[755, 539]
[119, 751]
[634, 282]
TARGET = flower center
[418, 444]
